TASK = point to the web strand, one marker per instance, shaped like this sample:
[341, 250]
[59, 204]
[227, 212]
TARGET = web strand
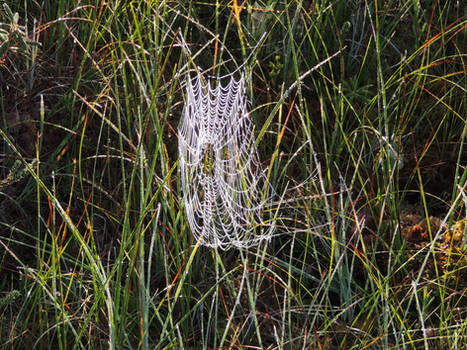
[225, 190]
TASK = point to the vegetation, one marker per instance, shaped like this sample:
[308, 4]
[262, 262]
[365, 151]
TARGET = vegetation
[360, 115]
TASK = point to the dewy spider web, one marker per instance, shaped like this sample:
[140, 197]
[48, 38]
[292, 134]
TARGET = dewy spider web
[226, 194]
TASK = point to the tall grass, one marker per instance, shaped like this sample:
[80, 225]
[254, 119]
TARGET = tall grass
[359, 108]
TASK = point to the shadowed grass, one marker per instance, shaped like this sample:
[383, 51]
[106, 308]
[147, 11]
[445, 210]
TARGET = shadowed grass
[359, 112]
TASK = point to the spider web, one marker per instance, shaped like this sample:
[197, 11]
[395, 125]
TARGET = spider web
[225, 190]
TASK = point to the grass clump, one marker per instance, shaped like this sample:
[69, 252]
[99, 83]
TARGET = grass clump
[359, 110]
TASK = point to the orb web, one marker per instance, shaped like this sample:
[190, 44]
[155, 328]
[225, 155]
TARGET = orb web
[225, 190]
